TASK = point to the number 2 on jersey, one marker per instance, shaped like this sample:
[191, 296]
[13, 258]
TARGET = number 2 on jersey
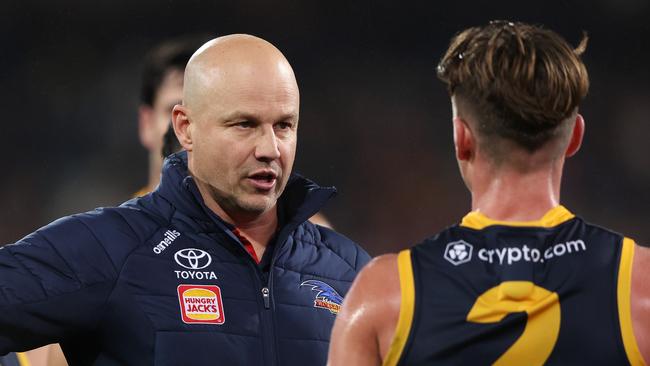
[536, 343]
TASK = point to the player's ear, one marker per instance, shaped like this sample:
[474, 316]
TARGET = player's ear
[146, 126]
[576, 136]
[181, 123]
[464, 140]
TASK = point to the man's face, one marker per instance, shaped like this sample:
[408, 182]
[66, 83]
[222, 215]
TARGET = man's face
[244, 135]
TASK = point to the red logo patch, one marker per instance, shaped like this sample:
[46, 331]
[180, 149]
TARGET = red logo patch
[201, 304]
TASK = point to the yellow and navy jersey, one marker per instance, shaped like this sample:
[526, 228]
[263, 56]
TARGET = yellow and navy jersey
[550, 292]
[14, 359]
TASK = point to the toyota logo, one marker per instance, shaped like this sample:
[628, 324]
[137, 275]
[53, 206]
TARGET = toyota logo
[192, 258]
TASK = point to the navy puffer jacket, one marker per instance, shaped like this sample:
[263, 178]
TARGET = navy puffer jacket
[161, 280]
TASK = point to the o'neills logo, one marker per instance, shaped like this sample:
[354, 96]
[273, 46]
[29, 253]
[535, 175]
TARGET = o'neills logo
[170, 236]
[201, 304]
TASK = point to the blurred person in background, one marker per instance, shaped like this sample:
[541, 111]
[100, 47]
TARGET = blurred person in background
[521, 280]
[218, 261]
[160, 91]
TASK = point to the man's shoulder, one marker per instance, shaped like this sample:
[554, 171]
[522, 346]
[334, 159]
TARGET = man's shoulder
[379, 282]
[129, 220]
[378, 285]
[114, 230]
[74, 252]
[327, 236]
[376, 297]
[328, 239]
[381, 275]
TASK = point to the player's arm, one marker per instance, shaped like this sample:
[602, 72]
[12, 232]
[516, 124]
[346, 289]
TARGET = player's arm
[364, 328]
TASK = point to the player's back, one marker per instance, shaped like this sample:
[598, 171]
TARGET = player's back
[554, 291]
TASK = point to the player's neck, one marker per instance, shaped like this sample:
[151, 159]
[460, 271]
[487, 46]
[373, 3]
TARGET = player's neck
[512, 196]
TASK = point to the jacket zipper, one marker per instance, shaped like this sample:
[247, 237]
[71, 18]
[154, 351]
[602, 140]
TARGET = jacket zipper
[268, 317]
[268, 329]
[266, 297]
[266, 291]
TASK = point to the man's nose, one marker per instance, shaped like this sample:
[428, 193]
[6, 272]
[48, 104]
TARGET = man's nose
[267, 148]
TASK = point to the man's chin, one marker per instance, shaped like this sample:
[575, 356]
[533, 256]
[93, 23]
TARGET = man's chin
[257, 205]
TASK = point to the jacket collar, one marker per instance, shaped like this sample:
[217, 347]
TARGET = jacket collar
[301, 199]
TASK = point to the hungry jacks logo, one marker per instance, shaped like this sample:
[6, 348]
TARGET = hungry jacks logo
[201, 304]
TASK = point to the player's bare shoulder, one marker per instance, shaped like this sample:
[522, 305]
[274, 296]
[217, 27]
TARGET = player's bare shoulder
[376, 294]
[364, 328]
[386, 277]
[379, 277]
[641, 299]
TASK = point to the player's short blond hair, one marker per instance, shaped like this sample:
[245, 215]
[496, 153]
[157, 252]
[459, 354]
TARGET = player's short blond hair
[519, 81]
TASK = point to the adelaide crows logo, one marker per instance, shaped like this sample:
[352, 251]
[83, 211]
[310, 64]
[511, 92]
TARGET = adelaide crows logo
[326, 296]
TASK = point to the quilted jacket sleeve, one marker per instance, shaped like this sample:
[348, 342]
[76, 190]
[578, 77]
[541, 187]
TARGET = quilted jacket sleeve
[55, 282]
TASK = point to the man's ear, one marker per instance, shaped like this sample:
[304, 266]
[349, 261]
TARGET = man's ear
[182, 129]
[146, 126]
[576, 136]
[464, 140]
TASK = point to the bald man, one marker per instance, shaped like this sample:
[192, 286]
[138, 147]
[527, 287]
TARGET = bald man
[218, 265]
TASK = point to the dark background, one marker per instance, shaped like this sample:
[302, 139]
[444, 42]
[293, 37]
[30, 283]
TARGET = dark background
[375, 122]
